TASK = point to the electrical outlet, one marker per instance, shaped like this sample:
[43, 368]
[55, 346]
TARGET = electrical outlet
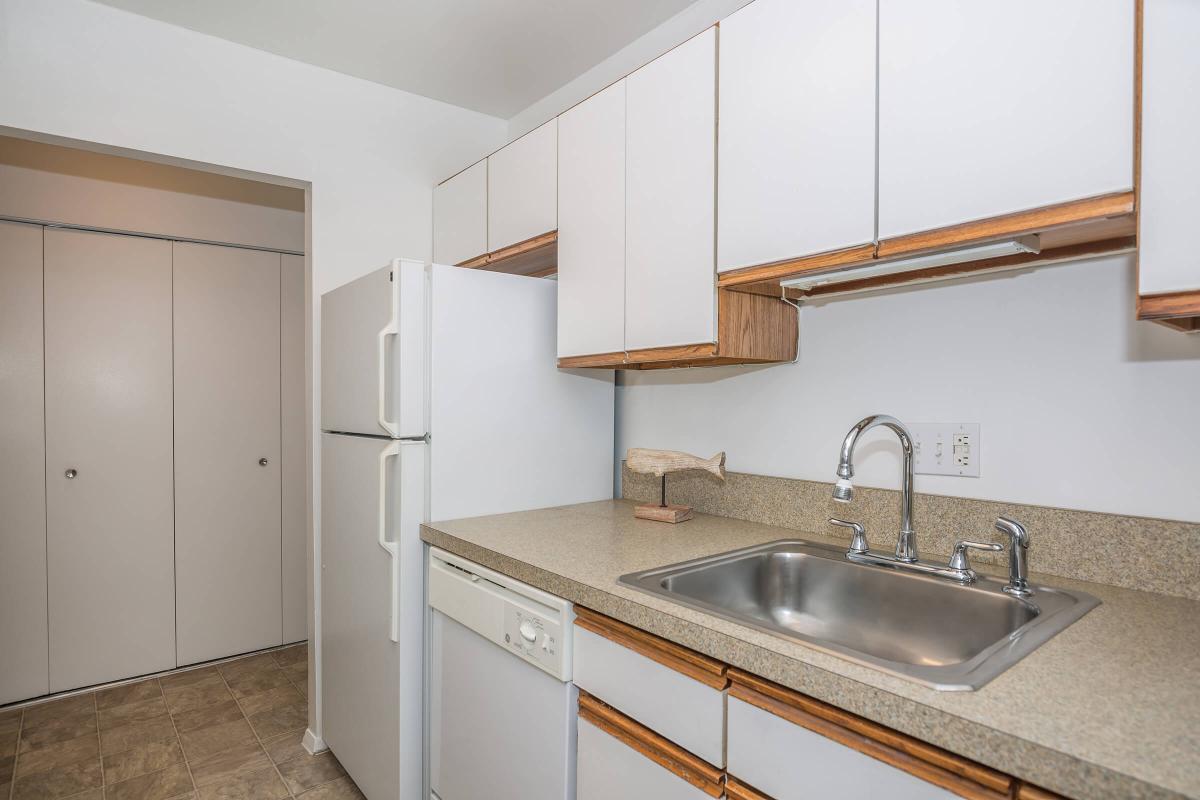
[946, 448]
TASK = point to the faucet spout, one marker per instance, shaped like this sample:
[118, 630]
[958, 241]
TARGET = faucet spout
[906, 544]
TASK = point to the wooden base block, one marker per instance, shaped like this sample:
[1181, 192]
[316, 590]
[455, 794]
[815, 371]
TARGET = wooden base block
[668, 513]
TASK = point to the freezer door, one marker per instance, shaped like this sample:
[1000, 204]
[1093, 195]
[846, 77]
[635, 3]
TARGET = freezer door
[373, 353]
[372, 505]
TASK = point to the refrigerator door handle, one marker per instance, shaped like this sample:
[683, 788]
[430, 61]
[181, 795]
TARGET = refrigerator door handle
[391, 329]
[390, 547]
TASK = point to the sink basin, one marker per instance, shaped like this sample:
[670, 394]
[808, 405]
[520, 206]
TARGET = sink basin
[937, 632]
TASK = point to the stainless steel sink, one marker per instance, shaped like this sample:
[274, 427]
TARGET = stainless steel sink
[936, 632]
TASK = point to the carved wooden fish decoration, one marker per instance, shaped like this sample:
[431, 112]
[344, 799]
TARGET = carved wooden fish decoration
[660, 462]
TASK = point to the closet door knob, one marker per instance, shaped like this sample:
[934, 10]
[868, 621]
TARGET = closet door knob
[71, 473]
[262, 462]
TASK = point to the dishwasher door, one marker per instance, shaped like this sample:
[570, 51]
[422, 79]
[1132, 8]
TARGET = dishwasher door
[502, 708]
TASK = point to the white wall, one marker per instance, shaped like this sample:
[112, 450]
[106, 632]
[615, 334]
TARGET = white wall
[61, 184]
[90, 73]
[676, 30]
[1081, 406]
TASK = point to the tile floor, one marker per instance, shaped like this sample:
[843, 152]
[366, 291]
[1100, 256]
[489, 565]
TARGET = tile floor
[231, 730]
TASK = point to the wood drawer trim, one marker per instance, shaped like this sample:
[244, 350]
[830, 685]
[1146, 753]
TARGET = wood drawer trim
[736, 790]
[1031, 792]
[694, 665]
[933, 764]
[662, 751]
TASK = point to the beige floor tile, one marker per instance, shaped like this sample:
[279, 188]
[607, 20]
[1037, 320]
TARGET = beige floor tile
[5, 790]
[286, 746]
[272, 698]
[44, 712]
[262, 783]
[207, 691]
[129, 693]
[247, 757]
[281, 719]
[142, 760]
[137, 711]
[60, 782]
[243, 666]
[7, 765]
[136, 734]
[69, 725]
[90, 794]
[167, 783]
[8, 743]
[187, 678]
[302, 688]
[248, 683]
[304, 773]
[10, 722]
[202, 743]
[207, 716]
[297, 673]
[291, 655]
[59, 754]
[341, 789]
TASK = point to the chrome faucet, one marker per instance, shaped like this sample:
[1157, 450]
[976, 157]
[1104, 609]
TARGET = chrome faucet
[843, 490]
[1018, 583]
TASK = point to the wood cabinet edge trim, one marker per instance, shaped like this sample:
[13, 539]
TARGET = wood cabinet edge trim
[926, 761]
[660, 750]
[1169, 305]
[1028, 791]
[860, 254]
[511, 251]
[688, 663]
[736, 790]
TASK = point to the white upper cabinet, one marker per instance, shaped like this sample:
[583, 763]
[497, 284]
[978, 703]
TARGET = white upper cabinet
[797, 130]
[591, 225]
[522, 188]
[1170, 187]
[460, 216]
[670, 215]
[986, 108]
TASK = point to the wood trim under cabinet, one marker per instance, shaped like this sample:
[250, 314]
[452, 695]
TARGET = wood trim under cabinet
[736, 790]
[662, 751]
[787, 268]
[1031, 792]
[523, 258]
[1168, 306]
[933, 764]
[694, 665]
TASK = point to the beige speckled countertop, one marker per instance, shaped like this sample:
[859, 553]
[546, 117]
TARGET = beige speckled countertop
[1109, 708]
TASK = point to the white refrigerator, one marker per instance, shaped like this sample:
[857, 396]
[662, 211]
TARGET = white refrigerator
[440, 398]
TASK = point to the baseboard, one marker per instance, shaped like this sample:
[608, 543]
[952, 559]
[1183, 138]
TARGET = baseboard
[312, 743]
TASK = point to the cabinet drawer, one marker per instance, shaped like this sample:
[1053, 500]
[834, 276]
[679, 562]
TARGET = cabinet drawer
[617, 757]
[787, 746]
[674, 691]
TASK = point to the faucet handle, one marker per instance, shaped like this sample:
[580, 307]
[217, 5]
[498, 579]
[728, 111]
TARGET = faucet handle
[959, 559]
[858, 540]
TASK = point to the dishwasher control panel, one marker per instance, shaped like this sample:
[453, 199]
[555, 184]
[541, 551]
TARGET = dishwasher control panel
[533, 636]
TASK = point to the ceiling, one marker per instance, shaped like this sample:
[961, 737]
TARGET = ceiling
[493, 56]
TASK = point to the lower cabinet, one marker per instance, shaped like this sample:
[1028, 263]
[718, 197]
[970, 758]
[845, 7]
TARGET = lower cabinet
[617, 757]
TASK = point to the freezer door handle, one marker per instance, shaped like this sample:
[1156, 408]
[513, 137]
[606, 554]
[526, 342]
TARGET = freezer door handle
[390, 547]
[391, 329]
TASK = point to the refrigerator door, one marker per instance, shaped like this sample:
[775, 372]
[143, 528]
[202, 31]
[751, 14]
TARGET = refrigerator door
[372, 505]
[373, 353]
[509, 430]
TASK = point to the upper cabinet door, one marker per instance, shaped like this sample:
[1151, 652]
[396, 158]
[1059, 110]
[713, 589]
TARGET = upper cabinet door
[522, 188]
[670, 181]
[986, 108]
[591, 225]
[460, 216]
[797, 130]
[1170, 187]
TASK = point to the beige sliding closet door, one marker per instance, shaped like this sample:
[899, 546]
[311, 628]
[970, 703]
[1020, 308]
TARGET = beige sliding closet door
[292, 462]
[227, 451]
[108, 457]
[23, 670]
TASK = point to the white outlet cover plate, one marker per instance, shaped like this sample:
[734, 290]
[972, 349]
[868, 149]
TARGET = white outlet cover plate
[934, 454]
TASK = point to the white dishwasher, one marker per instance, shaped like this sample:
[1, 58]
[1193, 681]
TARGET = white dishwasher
[503, 709]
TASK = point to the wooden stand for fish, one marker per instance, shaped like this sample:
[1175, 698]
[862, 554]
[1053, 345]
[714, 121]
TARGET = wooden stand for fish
[659, 463]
